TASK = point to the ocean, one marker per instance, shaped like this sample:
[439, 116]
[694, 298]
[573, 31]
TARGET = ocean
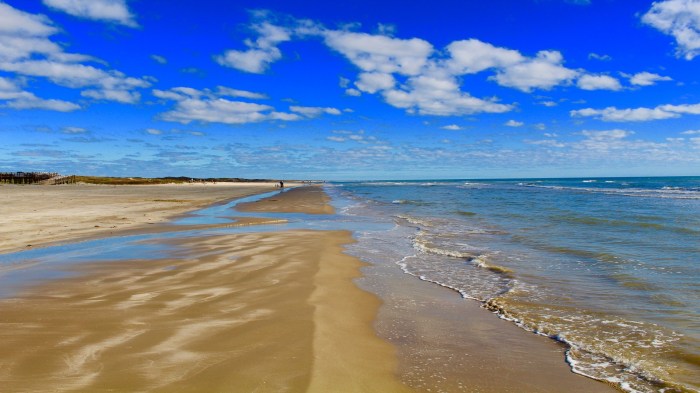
[607, 266]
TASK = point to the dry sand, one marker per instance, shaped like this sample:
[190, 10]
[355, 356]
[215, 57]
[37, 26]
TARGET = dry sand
[35, 216]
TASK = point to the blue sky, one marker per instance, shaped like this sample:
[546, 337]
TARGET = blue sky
[358, 90]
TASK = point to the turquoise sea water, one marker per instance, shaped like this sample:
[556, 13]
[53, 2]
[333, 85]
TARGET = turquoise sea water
[609, 266]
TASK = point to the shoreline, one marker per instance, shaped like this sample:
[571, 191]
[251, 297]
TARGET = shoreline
[283, 310]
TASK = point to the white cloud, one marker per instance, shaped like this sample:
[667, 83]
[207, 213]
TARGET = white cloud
[607, 135]
[104, 10]
[686, 109]
[371, 82]
[546, 143]
[209, 107]
[159, 59]
[514, 123]
[314, 111]
[691, 132]
[605, 141]
[16, 22]
[153, 131]
[74, 130]
[260, 53]
[472, 56]
[451, 127]
[379, 53]
[598, 82]
[29, 101]
[26, 49]
[680, 19]
[613, 114]
[227, 91]
[351, 136]
[638, 114]
[107, 85]
[596, 56]
[548, 103]
[123, 96]
[410, 74]
[647, 79]
[14, 97]
[439, 95]
[544, 71]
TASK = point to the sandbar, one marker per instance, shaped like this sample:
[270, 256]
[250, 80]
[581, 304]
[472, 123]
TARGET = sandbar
[37, 215]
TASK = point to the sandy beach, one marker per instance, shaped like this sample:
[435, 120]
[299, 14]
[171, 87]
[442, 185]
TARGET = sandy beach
[36, 216]
[257, 312]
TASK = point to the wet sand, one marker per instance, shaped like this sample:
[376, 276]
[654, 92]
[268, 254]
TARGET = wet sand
[449, 344]
[265, 312]
[37, 216]
[309, 200]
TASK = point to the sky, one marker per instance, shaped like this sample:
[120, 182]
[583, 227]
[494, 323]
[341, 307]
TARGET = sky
[350, 90]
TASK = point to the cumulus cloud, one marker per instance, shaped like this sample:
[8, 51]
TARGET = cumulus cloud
[410, 74]
[379, 53]
[451, 127]
[12, 96]
[472, 56]
[439, 95]
[598, 82]
[680, 19]
[27, 100]
[207, 106]
[115, 11]
[16, 22]
[260, 53]
[229, 92]
[372, 82]
[647, 79]
[544, 71]
[514, 123]
[638, 114]
[26, 49]
[314, 111]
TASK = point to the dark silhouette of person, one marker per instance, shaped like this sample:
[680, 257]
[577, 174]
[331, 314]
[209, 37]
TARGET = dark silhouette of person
[281, 184]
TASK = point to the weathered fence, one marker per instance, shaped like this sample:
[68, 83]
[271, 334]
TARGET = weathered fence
[35, 177]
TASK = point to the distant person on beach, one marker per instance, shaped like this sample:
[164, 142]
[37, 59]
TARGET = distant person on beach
[281, 184]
